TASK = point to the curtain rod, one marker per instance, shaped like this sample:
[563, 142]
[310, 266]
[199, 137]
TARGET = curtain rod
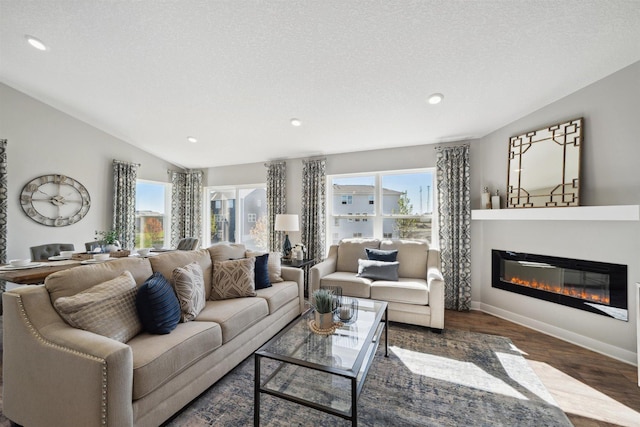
[440, 147]
[275, 162]
[122, 162]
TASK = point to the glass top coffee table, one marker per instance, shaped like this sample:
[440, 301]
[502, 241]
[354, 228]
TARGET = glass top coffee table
[324, 372]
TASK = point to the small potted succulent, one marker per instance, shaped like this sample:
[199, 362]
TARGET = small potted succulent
[323, 301]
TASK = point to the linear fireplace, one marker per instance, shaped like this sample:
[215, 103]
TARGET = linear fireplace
[596, 287]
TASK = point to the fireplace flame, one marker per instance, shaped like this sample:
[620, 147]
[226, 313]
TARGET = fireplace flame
[568, 291]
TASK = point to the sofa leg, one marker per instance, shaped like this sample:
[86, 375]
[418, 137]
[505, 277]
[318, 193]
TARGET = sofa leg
[436, 330]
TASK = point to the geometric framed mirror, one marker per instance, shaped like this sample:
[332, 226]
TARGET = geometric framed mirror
[544, 167]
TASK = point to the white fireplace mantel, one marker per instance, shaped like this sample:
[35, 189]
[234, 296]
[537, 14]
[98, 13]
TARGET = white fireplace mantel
[579, 213]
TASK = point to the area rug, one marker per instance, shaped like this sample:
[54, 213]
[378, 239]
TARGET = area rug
[456, 378]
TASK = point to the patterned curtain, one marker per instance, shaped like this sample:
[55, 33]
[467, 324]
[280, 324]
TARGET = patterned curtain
[124, 202]
[454, 211]
[276, 200]
[314, 207]
[3, 212]
[186, 205]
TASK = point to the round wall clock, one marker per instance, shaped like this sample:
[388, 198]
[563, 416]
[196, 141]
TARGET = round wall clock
[55, 200]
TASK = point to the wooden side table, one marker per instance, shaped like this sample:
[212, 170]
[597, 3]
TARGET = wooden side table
[304, 264]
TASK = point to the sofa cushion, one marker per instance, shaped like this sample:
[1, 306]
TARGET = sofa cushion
[351, 250]
[351, 284]
[167, 262]
[412, 256]
[378, 270]
[233, 279]
[235, 315]
[279, 294]
[159, 358]
[107, 309]
[380, 255]
[226, 251]
[189, 286]
[157, 305]
[274, 265]
[73, 280]
[410, 291]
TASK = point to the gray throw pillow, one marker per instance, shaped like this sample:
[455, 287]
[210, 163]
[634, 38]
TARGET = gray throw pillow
[378, 270]
[381, 255]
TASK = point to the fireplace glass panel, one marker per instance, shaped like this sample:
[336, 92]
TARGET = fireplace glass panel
[564, 281]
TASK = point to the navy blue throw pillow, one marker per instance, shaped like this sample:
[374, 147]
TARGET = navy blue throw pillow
[380, 255]
[262, 272]
[158, 306]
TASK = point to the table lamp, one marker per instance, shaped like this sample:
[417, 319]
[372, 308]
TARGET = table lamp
[286, 223]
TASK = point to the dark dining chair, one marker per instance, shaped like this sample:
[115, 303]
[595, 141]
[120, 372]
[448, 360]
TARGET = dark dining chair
[90, 246]
[43, 252]
[188, 244]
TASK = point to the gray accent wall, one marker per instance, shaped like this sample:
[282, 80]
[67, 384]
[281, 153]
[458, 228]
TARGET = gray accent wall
[609, 176]
[43, 140]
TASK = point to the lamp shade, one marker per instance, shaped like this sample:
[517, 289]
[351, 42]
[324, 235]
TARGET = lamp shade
[286, 222]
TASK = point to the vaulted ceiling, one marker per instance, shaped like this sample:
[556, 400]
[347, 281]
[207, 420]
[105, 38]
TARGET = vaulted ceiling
[357, 74]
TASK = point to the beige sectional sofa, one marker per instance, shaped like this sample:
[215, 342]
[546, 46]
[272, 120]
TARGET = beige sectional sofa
[417, 297]
[58, 375]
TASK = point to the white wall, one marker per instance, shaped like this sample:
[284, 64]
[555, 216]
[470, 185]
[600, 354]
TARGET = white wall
[609, 171]
[420, 156]
[42, 140]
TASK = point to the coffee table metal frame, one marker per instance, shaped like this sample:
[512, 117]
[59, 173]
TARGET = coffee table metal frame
[355, 376]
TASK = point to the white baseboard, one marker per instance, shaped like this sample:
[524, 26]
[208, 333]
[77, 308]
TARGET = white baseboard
[617, 353]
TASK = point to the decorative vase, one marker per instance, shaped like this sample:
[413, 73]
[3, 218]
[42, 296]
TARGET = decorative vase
[486, 199]
[324, 320]
[111, 248]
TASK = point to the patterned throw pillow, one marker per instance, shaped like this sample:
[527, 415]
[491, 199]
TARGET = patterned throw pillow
[189, 286]
[157, 304]
[233, 279]
[274, 266]
[107, 309]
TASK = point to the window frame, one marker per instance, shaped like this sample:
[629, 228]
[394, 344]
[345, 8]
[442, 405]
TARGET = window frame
[378, 217]
[206, 208]
[167, 208]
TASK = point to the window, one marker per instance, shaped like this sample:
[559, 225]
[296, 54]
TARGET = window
[153, 222]
[237, 215]
[389, 205]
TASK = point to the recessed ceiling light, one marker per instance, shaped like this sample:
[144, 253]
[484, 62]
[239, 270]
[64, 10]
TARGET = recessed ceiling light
[192, 139]
[37, 43]
[296, 122]
[436, 98]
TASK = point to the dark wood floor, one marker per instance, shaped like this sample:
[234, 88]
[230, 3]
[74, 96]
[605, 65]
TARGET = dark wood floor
[592, 389]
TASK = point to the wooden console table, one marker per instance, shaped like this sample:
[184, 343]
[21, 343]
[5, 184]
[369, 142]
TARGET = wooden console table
[36, 275]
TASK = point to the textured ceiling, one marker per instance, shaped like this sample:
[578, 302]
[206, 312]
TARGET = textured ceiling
[357, 73]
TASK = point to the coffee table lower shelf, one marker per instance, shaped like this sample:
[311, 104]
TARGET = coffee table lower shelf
[317, 385]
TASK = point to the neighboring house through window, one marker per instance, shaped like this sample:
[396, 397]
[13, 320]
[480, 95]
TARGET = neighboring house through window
[237, 214]
[387, 204]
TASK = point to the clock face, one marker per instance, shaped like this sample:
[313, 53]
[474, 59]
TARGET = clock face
[55, 200]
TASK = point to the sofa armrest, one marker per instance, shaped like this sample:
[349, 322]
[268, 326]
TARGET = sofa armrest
[55, 374]
[320, 270]
[435, 283]
[295, 274]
